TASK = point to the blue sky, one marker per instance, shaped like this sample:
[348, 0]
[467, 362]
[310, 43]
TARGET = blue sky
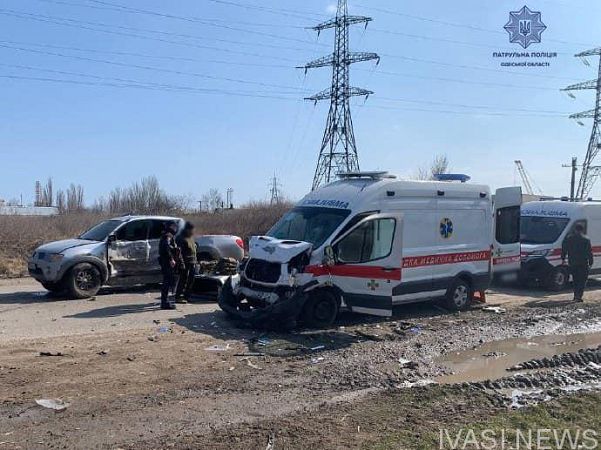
[225, 106]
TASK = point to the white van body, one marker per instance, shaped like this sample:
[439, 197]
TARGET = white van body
[369, 242]
[544, 226]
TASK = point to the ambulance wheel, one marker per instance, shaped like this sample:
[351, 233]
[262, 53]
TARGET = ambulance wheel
[320, 310]
[557, 280]
[83, 281]
[459, 295]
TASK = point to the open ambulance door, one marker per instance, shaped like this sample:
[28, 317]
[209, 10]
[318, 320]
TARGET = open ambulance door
[506, 239]
[368, 263]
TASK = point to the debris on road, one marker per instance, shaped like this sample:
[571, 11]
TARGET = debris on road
[407, 364]
[218, 348]
[494, 309]
[52, 403]
[52, 354]
[103, 352]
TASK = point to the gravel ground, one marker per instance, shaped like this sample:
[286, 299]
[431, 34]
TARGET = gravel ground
[133, 375]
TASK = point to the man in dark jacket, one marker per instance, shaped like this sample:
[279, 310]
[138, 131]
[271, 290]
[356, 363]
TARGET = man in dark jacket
[187, 246]
[168, 259]
[578, 249]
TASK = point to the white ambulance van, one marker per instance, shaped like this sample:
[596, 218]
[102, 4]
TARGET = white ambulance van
[368, 242]
[544, 226]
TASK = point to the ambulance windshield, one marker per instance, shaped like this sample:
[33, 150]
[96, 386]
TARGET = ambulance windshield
[309, 224]
[541, 230]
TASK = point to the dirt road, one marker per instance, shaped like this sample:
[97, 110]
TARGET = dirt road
[135, 376]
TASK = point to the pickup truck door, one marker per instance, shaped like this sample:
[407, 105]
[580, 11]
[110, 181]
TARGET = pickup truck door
[368, 263]
[129, 252]
[154, 236]
[506, 241]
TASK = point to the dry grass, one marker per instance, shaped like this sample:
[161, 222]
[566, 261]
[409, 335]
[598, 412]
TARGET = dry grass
[19, 236]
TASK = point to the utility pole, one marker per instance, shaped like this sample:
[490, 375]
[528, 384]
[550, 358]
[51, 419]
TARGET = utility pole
[590, 173]
[199, 205]
[338, 151]
[274, 190]
[574, 167]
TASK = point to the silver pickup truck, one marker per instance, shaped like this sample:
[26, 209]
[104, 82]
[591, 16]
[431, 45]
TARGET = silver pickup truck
[118, 252]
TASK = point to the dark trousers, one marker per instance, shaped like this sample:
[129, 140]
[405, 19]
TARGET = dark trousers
[186, 281]
[168, 283]
[579, 277]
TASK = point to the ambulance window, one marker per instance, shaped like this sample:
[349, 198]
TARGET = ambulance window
[371, 241]
[508, 225]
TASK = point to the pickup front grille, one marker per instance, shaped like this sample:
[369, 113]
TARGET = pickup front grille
[263, 271]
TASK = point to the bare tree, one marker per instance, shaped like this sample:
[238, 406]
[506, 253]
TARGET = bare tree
[61, 201]
[48, 194]
[439, 165]
[212, 200]
[144, 197]
[75, 198]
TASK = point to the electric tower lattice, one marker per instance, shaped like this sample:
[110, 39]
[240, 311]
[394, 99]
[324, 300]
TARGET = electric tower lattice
[338, 148]
[589, 173]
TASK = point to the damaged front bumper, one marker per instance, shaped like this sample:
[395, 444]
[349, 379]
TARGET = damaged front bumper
[279, 308]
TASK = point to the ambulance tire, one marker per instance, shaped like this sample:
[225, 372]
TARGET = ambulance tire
[459, 295]
[558, 279]
[320, 310]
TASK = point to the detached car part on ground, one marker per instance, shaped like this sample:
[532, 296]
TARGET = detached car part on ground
[119, 252]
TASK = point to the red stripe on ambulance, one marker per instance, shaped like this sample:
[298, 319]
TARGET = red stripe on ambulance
[449, 258]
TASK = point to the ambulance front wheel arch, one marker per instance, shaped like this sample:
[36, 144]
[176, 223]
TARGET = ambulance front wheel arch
[321, 308]
[459, 294]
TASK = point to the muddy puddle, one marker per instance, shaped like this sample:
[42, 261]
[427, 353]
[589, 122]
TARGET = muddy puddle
[490, 361]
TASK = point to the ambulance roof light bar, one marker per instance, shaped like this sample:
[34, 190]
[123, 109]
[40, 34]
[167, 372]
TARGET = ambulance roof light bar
[369, 175]
[452, 177]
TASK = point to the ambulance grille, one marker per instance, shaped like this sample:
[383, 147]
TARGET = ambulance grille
[263, 271]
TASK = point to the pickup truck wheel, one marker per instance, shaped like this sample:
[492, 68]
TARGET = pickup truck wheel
[557, 280]
[459, 295]
[320, 310]
[83, 281]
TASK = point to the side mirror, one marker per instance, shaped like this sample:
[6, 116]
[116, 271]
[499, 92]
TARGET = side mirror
[111, 239]
[329, 257]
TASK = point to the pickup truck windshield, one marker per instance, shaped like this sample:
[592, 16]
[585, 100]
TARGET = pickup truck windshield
[308, 224]
[101, 231]
[541, 230]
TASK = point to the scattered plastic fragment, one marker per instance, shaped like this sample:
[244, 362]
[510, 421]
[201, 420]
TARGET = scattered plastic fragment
[218, 348]
[494, 309]
[52, 403]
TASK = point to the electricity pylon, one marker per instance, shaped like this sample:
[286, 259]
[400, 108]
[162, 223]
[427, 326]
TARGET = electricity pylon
[338, 148]
[589, 172]
[274, 190]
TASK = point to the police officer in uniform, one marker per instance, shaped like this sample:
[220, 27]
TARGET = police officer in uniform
[168, 259]
[187, 246]
[577, 248]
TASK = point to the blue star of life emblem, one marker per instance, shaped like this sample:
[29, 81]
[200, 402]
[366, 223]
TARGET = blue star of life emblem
[446, 228]
[525, 27]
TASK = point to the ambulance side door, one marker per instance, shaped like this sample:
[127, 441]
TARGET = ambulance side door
[368, 263]
[506, 232]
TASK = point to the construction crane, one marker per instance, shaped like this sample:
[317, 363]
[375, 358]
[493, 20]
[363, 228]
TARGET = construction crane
[528, 184]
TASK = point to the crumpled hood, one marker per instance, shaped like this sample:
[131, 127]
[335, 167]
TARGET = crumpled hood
[276, 250]
[61, 246]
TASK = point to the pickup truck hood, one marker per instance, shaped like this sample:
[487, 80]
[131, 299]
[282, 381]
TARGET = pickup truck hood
[61, 246]
[276, 250]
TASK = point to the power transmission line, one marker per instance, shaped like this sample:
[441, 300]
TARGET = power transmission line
[338, 151]
[275, 190]
[151, 68]
[138, 36]
[589, 173]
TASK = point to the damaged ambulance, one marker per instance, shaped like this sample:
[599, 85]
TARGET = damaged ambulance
[368, 242]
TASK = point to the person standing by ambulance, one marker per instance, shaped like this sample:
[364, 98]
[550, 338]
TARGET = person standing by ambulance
[577, 247]
[168, 260]
[187, 246]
